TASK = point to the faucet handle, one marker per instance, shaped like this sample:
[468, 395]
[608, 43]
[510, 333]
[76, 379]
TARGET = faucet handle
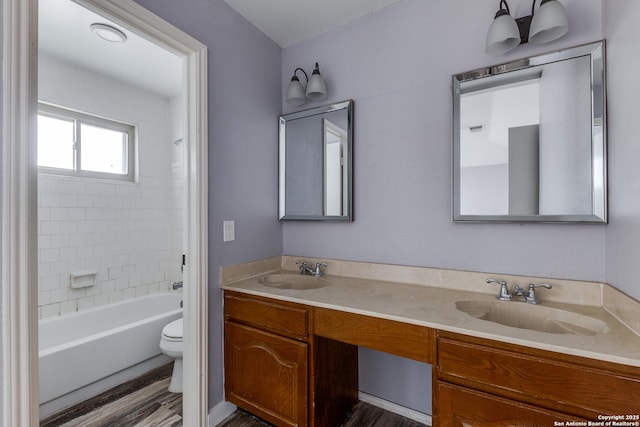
[539, 285]
[531, 297]
[317, 272]
[303, 266]
[504, 294]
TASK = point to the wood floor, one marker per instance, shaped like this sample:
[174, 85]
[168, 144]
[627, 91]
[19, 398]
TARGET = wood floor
[364, 415]
[147, 402]
[143, 402]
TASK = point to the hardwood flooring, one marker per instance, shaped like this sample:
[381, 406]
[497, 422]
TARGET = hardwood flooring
[143, 402]
[364, 415]
[146, 402]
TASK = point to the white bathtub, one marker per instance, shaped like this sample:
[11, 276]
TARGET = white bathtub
[80, 348]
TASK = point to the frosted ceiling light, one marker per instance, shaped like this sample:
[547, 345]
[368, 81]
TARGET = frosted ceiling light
[108, 33]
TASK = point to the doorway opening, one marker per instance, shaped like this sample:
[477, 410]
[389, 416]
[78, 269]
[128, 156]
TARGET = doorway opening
[21, 248]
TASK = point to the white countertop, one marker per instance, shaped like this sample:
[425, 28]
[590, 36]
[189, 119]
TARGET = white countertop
[435, 307]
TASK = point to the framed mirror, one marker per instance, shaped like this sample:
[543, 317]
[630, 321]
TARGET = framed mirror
[529, 139]
[316, 161]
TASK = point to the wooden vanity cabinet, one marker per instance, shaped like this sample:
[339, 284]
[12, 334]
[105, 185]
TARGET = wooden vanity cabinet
[484, 377]
[266, 358]
[297, 365]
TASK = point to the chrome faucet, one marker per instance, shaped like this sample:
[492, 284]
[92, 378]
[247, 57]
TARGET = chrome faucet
[176, 285]
[504, 294]
[530, 295]
[317, 272]
[305, 269]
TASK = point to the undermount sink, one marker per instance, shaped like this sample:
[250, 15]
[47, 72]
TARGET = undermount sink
[296, 282]
[533, 317]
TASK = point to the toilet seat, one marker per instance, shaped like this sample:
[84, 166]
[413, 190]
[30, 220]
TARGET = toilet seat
[171, 342]
[173, 331]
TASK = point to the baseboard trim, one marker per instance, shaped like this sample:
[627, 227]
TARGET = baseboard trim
[220, 412]
[396, 409]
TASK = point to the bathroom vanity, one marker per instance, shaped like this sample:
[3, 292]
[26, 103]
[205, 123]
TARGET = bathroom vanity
[291, 353]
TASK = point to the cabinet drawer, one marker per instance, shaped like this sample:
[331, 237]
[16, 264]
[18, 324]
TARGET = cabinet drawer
[402, 339]
[278, 317]
[462, 407]
[537, 377]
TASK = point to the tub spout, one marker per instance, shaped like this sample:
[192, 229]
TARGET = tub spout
[176, 285]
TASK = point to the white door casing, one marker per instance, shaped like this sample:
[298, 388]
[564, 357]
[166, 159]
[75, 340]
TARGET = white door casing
[19, 203]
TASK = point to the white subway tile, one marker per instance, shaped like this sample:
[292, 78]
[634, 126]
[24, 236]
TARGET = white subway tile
[49, 283]
[50, 310]
[142, 290]
[77, 293]
[59, 241]
[68, 306]
[85, 303]
[49, 227]
[68, 254]
[102, 299]
[115, 296]
[59, 268]
[59, 295]
[44, 297]
[44, 241]
[44, 270]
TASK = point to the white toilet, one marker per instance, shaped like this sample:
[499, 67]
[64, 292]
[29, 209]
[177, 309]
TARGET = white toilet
[171, 345]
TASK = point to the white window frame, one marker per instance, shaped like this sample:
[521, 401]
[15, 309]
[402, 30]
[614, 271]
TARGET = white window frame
[79, 118]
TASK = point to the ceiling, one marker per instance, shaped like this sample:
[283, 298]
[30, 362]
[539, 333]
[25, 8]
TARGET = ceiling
[290, 21]
[64, 33]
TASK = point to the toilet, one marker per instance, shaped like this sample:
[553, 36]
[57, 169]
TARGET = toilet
[171, 345]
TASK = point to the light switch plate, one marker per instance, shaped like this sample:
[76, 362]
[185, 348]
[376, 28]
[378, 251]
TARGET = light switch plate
[229, 231]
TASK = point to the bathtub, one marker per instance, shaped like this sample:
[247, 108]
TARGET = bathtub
[80, 348]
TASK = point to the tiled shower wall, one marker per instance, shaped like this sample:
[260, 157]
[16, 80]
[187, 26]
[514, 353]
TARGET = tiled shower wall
[130, 233]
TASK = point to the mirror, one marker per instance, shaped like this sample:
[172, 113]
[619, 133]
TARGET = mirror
[316, 158]
[529, 139]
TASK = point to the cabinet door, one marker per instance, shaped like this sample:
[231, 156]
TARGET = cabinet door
[266, 374]
[462, 407]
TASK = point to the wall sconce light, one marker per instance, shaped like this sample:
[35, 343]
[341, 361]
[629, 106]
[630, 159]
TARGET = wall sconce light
[549, 23]
[316, 88]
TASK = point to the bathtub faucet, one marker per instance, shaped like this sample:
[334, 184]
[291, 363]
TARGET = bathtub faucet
[176, 285]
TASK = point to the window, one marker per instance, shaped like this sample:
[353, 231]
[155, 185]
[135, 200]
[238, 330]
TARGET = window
[77, 144]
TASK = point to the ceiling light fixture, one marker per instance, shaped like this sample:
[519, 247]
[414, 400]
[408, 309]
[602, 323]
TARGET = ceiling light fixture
[108, 32]
[549, 23]
[316, 88]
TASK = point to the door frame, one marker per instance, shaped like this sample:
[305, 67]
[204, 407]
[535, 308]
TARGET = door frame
[19, 203]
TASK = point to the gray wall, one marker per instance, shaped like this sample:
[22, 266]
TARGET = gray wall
[397, 65]
[622, 239]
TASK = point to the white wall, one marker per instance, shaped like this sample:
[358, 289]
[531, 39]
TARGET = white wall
[129, 232]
